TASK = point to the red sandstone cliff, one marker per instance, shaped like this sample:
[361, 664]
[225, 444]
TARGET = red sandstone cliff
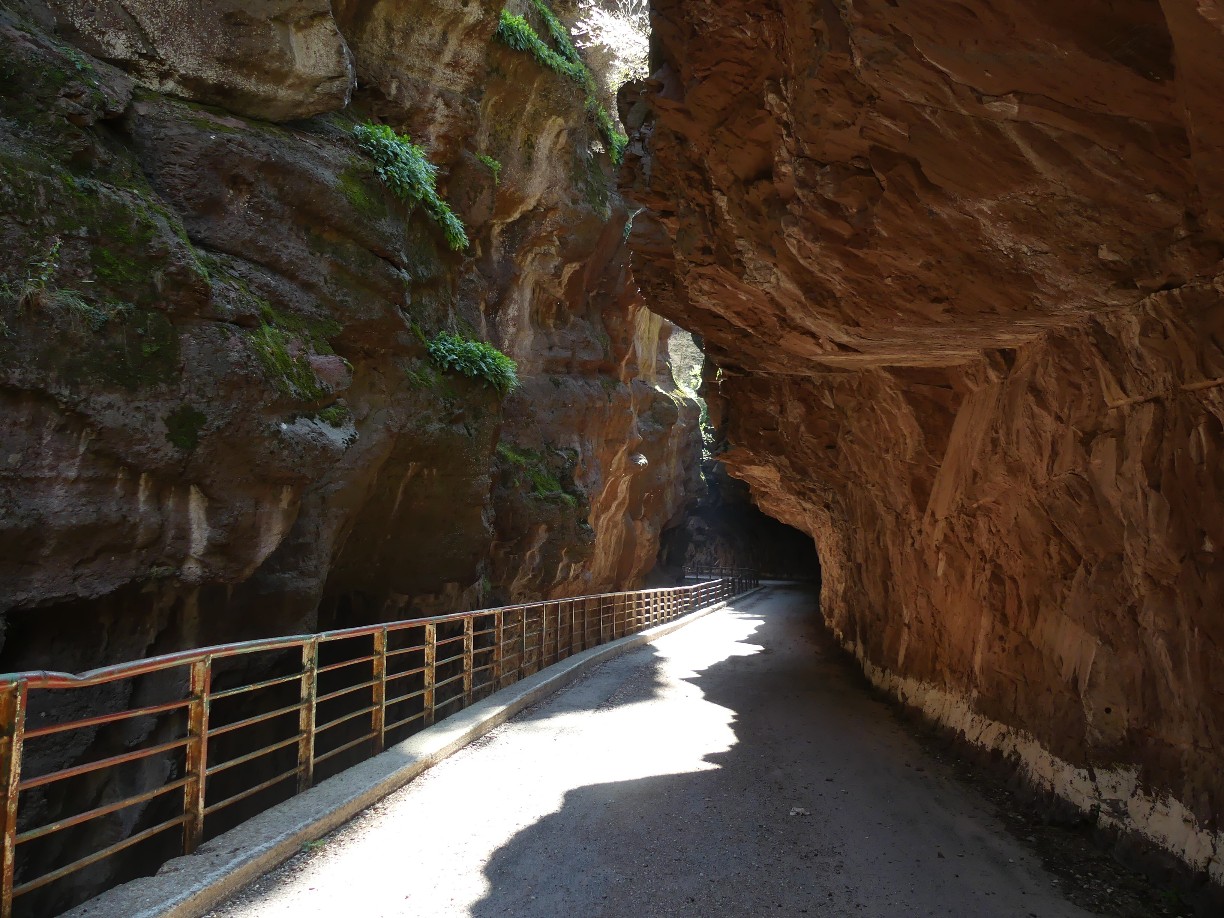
[960, 265]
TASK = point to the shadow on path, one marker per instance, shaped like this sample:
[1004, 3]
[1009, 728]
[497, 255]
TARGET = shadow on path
[822, 803]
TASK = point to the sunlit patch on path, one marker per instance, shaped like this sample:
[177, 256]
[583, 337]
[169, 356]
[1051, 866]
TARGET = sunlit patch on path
[733, 768]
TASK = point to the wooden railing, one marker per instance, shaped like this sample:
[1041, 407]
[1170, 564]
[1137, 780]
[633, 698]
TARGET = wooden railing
[256, 721]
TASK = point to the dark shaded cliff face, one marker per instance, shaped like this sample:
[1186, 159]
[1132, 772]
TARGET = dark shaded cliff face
[961, 271]
[219, 416]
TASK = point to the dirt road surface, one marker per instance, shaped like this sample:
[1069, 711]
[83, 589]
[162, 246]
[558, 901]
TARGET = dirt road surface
[735, 767]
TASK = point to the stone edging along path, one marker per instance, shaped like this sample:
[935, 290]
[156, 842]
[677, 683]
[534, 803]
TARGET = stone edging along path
[189, 886]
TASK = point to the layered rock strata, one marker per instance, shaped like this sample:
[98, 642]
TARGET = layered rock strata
[961, 271]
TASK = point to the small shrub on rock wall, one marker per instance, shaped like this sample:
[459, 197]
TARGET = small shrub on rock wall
[36, 288]
[475, 359]
[405, 168]
[516, 32]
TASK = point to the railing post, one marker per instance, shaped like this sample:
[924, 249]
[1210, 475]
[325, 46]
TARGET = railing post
[522, 660]
[468, 653]
[498, 635]
[543, 634]
[431, 659]
[12, 734]
[306, 714]
[197, 755]
[378, 717]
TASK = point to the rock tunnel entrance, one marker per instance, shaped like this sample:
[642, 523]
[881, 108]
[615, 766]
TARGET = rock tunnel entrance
[725, 530]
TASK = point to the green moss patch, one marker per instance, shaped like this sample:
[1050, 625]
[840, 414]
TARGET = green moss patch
[531, 464]
[183, 427]
[287, 363]
[335, 416]
[355, 186]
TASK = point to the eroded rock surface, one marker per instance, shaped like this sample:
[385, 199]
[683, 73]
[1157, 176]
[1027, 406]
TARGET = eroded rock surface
[218, 416]
[961, 270]
[275, 61]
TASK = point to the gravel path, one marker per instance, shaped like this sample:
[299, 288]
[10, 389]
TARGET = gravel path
[735, 767]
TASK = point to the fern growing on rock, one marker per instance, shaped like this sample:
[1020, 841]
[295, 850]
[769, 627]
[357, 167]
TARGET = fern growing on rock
[516, 32]
[475, 359]
[405, 168]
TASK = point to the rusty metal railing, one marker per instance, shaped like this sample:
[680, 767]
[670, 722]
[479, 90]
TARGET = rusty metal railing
[186, 736]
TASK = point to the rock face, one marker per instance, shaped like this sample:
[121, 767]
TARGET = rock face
[215, 373]
[218, 416]
[961, 271]
[285, 60]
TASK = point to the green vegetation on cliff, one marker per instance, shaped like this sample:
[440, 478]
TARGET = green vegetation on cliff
[291, 371]
[475, 359]
[544, 483]
[493, 165]
[183, 427]
[405, 168]
[36, 288]
[516, 32]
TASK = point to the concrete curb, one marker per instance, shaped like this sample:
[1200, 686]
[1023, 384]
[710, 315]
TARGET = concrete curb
[187, 887]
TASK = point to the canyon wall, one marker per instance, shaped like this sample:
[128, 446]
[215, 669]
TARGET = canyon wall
[220, 419]
[960, 268]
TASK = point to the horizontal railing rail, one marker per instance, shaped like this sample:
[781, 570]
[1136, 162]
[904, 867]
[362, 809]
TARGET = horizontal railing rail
[758, 574]
[208, 734]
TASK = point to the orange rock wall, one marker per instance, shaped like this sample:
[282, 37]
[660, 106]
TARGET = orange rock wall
[960, 267]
